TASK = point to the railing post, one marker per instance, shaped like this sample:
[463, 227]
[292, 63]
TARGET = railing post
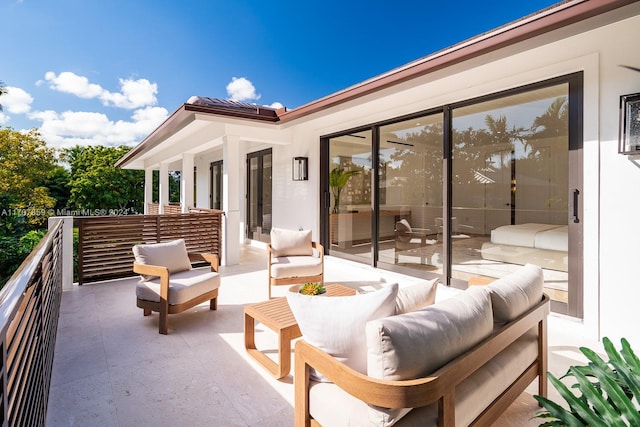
[67, 249]
[81, 238]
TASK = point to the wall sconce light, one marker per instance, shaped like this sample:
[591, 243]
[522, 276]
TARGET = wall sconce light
[300, 169]
[629, 142]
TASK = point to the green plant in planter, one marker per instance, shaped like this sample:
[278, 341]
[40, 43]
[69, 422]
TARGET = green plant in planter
[312, 289]
[609, 391]
[338, 178]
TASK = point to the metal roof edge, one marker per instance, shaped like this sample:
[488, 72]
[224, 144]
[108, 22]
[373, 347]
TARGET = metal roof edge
[543, 21]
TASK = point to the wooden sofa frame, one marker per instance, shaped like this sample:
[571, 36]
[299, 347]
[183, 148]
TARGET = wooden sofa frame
[295, 280]
[440, 386]
[164, 306]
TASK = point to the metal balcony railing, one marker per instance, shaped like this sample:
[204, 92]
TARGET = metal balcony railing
[29, 311]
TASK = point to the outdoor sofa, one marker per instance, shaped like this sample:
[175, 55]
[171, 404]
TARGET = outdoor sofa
[461, 361]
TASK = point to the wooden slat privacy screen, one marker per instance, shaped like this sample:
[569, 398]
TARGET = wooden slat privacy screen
[104, 243]
[29, 311]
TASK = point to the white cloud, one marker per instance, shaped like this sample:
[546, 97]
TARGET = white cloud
[16, 101]
[3, 118]
[133, 93]
[276, 105]
[69, 82]
[70, 128]
[241, 89]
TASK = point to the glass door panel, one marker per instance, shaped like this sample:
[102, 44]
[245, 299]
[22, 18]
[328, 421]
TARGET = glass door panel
[510, 186]
[259, 172]
[410, 182]
[215, 196]
[350, 178]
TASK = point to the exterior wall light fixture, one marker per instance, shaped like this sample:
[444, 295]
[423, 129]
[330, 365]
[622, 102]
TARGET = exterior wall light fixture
[300, 169]
[629, 142]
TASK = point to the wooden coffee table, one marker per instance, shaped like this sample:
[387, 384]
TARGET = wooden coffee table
[276, 315]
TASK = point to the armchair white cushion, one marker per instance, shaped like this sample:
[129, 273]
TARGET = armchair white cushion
[293, 258]
[172, 255]
[291, 243]
[168, 284]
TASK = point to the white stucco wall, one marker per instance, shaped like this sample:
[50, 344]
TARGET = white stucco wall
[611, 196]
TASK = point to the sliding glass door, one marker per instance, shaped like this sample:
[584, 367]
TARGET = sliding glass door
[259, 172]
[510, 187]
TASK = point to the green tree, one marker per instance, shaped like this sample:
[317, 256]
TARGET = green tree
[25, 162]
[97, 184]
[57, 182]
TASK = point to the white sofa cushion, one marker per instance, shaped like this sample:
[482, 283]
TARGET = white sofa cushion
[515, 293]
[173, 255]
[416, 344]
[183, 286]
[336, 325]
[472, 396]
[290, 242]
[416, 296]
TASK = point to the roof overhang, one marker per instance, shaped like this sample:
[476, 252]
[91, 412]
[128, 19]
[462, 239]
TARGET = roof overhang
[197, 125]
[541, 22]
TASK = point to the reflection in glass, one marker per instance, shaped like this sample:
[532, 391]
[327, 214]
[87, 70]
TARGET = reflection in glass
[410, 176]
[510, 186]
[350, 186]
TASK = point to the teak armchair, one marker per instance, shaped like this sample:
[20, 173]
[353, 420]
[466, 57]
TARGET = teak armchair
[293, 258]
[168, 284]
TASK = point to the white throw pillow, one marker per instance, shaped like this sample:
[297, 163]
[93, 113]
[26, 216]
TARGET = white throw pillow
[515, 293]
[415, 344]
[291, 243]
[336, 325]
[172, 255]
[416, 296]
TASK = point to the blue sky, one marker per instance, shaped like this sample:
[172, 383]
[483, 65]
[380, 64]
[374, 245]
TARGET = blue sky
[109, 72]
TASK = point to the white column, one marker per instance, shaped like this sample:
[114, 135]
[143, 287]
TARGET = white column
[163, 192]
[186, 183]
[148, 189]
[232, 196]
[67, 249]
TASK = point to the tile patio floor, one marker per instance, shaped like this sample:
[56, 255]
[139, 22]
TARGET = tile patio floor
[112, 368]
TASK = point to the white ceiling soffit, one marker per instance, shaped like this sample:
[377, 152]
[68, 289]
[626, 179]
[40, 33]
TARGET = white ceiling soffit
[205, 132]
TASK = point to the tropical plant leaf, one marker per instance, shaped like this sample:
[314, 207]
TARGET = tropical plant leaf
[608, 414]
[596, 359]
[607, 393]
[618, 398]
[576, 404]
[557, 411]
[630, 379]
[611, 350]
[629, 356]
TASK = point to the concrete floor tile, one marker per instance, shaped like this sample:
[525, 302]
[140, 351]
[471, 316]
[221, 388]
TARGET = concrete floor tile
[84, 402]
